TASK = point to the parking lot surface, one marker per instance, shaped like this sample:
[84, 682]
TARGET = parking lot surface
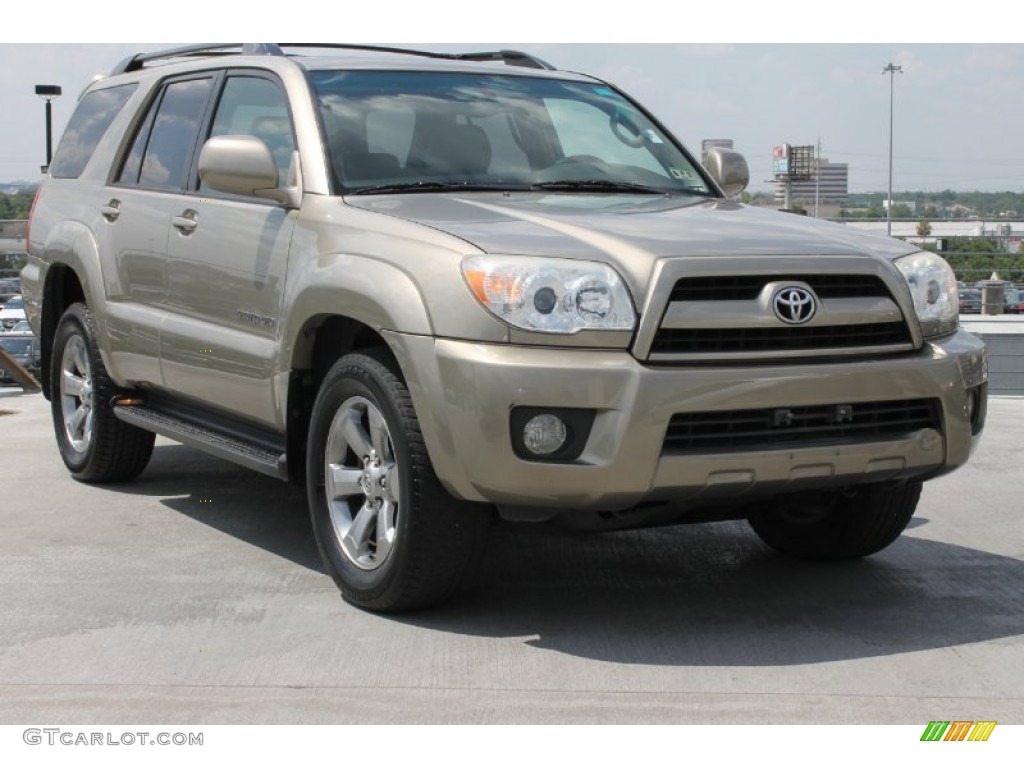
[195, 595]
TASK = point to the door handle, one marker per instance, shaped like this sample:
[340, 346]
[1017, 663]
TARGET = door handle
[186, 222]
[111, 210]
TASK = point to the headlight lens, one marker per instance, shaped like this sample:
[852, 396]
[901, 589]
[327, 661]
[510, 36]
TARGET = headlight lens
[932, 285]
[550, 295]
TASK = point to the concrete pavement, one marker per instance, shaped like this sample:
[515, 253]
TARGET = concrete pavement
[195, 595]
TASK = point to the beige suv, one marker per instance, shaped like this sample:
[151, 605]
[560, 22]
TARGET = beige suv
[431, 286]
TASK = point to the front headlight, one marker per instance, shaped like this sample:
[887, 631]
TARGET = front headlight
[550, 295]
[932, 285]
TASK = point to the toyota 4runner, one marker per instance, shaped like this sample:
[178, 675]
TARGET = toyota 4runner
[427, 286]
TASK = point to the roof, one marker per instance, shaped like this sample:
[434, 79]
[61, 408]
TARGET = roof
[335, 50]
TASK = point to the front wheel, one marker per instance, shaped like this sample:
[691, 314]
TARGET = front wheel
[837, 526]
[389, 534]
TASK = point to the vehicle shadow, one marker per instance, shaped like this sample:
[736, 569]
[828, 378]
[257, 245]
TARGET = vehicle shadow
[261, 511]
[712, 594]
[689, 595]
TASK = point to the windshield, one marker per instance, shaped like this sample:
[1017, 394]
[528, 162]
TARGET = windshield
[420, 131]
[15, 302]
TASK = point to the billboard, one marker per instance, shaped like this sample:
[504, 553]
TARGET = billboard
[780, 160]
[794, 163]
[801, 162]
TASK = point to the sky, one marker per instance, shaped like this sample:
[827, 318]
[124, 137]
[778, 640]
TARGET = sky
[760, 74]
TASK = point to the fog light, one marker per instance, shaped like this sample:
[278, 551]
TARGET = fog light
[552, 434]
[544, 434]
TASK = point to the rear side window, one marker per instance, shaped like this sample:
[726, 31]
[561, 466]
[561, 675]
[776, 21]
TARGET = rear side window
[162, 151]
[93, 115]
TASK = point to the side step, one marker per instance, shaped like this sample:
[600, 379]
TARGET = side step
[234, 448]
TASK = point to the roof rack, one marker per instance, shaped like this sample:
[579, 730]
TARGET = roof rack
[138, 61]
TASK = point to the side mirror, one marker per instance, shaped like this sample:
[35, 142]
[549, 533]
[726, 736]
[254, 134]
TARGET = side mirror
[243, 165]
[729, 169]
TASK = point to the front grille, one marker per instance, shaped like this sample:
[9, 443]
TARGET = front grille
[748, 287]
[720, 317]
[804, 426]
[794, 338]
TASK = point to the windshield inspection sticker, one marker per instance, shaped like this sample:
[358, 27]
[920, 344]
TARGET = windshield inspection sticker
[652, 137]
[681, 173]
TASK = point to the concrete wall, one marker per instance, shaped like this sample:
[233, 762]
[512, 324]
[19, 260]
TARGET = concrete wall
[1004, 337]
[13, 229]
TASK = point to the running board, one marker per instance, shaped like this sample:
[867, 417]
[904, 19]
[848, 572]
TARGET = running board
[233, 448]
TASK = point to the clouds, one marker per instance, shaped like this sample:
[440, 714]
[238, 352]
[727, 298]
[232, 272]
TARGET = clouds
[956, 113]
[991, 57]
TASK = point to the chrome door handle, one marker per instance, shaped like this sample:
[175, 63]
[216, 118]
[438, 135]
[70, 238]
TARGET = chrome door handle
[111, 210]
[186, 222]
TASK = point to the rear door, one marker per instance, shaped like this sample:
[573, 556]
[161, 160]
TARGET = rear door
[147, 191]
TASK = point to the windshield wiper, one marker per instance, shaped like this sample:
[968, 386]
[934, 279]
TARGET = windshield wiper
[598, 185]
[435, 186]
[605, 185]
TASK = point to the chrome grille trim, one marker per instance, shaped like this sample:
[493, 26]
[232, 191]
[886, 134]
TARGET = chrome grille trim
[707, 309]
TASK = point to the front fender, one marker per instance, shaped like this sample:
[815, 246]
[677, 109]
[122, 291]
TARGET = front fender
[372, 292]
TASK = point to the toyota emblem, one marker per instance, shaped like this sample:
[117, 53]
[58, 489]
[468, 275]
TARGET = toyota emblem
[794, 305]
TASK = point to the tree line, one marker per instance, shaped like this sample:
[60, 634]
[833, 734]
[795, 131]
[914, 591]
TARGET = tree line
[938, 205]
[16, 206]
[977, 258]
[926, 205]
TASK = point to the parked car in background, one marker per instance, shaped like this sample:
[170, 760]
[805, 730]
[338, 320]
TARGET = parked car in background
[24, 350]
[970, 301]
[34, 364]
[10, 286]
[13, 311]
[22, 326]
[1014, 302]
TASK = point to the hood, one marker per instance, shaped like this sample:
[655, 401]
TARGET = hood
[625, 227]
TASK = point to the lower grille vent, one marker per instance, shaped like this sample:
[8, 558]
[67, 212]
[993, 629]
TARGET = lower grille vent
[776, 428]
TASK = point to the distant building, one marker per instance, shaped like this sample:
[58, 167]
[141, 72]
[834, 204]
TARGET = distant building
[830, 188]
[910, 204]
[13, 229]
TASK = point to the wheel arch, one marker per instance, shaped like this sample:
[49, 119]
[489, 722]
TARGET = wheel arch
[63, 287]
[321, 341]
[73, 274]
[376, 296]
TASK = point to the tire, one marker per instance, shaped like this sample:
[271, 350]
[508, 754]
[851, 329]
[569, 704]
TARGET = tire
[96, 447]
[389, 534]
[837, 526]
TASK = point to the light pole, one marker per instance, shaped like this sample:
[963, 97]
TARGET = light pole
[891, 69]
[49, 93]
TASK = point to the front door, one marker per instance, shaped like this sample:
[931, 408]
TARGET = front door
[227, 259]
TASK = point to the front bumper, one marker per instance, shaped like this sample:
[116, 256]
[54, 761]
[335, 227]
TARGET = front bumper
[464, 393]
